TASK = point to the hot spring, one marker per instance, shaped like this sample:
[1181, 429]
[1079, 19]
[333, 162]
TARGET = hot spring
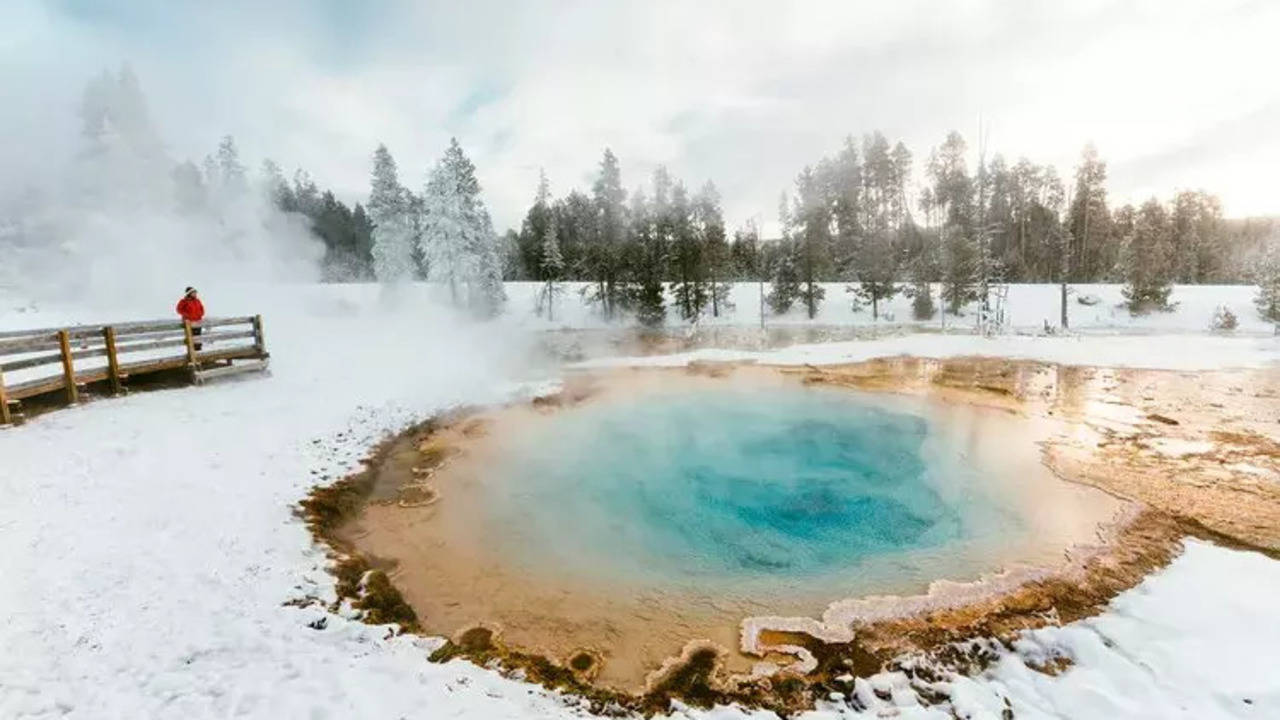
[666, 508]
[732, 487]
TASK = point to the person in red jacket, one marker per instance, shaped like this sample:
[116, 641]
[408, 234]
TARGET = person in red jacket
[192, 310]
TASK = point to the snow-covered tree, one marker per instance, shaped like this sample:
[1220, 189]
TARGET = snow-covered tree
[1093, 255]
[952, 193]
[709, 221]
[271, 183]
[784, 287]
[1268, 297]
[650, 262]
[877, 268]
[1147, 259]
[608, 239]
[811, 239]
[551, 268]
[688, 287]
[232, 182]
[389, 211]
[486, 294]
[458, 243]
[534, 230]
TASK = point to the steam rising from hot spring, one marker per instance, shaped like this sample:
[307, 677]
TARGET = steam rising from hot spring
[123, 218]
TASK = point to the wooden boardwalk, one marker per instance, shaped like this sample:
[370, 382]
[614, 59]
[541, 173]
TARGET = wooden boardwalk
[50, 361]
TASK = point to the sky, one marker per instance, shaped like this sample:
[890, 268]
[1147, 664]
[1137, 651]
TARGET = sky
[1175, 95]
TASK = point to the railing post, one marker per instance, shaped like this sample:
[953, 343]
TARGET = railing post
[5, 417]
[191, 348]
[68, 370]
[259, 342]
[113, 362]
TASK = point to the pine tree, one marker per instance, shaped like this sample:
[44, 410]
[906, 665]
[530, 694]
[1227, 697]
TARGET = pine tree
[609, 237]
[648, 264]
[953, 194]
[1147, 260]
[716, 254]
[745, 263]
[389, 213]
[533, 230]
[845, 181]
[921, 293]
[784, 288]
[362, 228]
[551, 268]
[959, 269]
[458, 242]
[306, 194]
[487, 293]
[1268, 297]
[922, 269]
[1093, 256]
[922, 261]
[1061, 240]
[513, 267]
[811, 235]
[231, 174]
[877, 270]
[417, 210]
[687, 266]
[272, 184]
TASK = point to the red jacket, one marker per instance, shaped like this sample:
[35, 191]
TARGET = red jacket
[191, 309]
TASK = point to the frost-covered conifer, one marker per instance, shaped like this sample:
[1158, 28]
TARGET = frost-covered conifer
[648, 297]
[785, 288]
[231, 173]
[457, 242]
[709, 220]
[1268, 298]
[551, 267]
[877, 269]
[1146, 260]
[389, 211]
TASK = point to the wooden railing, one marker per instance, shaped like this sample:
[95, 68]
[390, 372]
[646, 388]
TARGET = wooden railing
[50, 360]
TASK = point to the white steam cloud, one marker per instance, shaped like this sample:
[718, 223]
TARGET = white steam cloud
[122, 218]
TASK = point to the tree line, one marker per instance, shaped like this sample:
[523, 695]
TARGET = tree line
[853, 218]
[633, 251]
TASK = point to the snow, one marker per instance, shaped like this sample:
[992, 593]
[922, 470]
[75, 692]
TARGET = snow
[1028, 307]
[148, 544]
[1170, 352]
[1199, 639]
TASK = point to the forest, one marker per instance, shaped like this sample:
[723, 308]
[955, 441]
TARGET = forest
[852, 217]
[870, 215]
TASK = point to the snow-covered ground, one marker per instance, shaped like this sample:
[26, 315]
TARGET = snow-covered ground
[148, 545]
[1027, 307]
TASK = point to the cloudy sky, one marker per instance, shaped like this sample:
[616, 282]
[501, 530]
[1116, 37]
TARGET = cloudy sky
[1174, 94]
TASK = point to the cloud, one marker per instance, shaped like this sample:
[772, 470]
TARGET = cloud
[744, 93]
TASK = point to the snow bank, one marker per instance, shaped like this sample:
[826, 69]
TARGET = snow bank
[1028, 307]
[1171, 352]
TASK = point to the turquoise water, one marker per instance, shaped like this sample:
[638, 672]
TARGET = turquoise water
[782, 484]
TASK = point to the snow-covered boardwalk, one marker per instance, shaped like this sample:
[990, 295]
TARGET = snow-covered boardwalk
[148, 549]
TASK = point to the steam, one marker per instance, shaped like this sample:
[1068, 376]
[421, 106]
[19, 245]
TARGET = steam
[123, 219]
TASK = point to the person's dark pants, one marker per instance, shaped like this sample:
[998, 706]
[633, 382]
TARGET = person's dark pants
[195, 332]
